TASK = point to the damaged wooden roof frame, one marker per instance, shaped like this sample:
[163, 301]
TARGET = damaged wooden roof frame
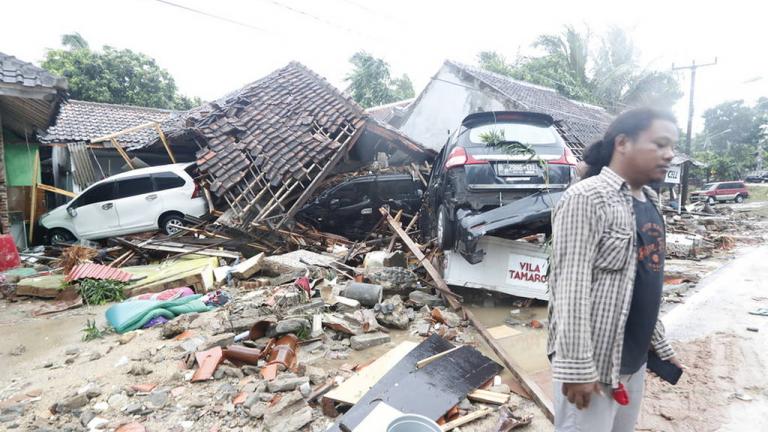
[114, 136]
[271, 144]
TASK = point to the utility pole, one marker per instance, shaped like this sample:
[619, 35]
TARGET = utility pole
[686, 166]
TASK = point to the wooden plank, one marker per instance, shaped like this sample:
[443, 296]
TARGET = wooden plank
[351, 390]
[122, 152]
[432, 345]
[112, 136]
[449, 296]
[466, 419]
[503, 331]
[194, 280]
[421, 363]
[165, 142]
[204, 252]
[432, 390]
[418, 173]
[33, 210]
[408, 228]
[488, 397]
[536, 392]
[56, 190]
[41, 286]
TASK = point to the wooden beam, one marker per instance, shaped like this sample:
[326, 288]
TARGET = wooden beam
[33, 210]
[165, 142]
[56, 190]
[450, 297]
[322, 175]
[423, 362]
[182, 250]
[122, 152]
[418, 173]
[407, 228]
[486, 396]
[112, 136]
[538, 395]
[466, 419]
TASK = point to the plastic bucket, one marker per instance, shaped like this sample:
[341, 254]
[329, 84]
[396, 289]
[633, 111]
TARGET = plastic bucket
[413, 423]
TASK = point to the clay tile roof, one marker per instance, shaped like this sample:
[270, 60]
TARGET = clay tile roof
[15, 71]
[80, 121]
[276, 116]
[580, 123]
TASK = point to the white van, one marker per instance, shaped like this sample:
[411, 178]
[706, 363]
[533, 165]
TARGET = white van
[140, 200]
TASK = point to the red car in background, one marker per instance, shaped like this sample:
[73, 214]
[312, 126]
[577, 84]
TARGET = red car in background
[735, 191]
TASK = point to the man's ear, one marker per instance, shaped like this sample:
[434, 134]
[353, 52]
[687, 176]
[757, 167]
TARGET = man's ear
[620, 143]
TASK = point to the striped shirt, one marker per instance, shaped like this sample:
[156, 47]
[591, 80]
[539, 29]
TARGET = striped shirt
[591, 280]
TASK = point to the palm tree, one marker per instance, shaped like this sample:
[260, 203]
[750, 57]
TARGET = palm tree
[74, 41]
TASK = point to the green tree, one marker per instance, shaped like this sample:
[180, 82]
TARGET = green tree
[609, 76]
[732, 140]
[371, 83]
[115, 76]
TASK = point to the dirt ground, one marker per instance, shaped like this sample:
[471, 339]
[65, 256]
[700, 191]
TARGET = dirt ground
[725, 387]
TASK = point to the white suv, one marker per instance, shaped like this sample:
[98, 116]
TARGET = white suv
[140, 200]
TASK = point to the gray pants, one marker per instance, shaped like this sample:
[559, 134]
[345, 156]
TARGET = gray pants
[603, 413]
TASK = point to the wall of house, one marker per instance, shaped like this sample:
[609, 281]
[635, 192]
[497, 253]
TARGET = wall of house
[444, 103]
[4, 220]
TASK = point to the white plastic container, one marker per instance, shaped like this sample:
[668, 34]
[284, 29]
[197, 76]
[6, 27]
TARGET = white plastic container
[413, 423]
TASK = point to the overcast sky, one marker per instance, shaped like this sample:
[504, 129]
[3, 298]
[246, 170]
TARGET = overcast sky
[210, 57]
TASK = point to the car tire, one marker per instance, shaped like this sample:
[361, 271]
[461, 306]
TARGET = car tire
[739, 199]
[170, 224]
[60, 235]
[446, 231]
[711, 200]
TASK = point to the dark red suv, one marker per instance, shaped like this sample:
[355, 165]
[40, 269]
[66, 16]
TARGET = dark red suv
[735, 191]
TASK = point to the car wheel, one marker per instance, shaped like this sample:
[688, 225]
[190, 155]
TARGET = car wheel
[60, 235]
[739, 199]
[172, 224]
[445, 229]
[711, 200]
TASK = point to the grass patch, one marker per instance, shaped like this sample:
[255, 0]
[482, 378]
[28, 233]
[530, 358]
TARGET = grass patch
[92, 332]
[758, 193]
[97, 292]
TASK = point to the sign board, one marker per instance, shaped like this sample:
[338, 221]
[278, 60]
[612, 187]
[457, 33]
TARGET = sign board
[527, 270]
[511, 267]
[673, 174]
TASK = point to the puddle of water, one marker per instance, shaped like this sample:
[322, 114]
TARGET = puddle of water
[529, 347]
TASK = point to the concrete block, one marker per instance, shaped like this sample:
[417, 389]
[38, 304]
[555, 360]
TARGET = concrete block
[368, 340]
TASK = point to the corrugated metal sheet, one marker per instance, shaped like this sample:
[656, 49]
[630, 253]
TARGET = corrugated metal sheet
[98, 271]
[82, 167]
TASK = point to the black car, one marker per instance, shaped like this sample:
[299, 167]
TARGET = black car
[351, 209]
[757, 177]
[500, 172]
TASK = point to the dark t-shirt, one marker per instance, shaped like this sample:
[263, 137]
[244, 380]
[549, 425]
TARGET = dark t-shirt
[649, 281]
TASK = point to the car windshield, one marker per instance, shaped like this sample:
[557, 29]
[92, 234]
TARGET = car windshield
[710, 186]
[522, 132]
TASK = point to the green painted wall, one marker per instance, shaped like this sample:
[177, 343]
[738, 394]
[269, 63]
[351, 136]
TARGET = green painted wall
[19, 158]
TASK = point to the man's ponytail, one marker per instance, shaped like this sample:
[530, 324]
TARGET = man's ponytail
[629, 123]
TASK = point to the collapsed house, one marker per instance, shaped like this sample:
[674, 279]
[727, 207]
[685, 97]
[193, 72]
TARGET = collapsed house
[29, 99]
[267, 147]
[458, 90]
[85, 142]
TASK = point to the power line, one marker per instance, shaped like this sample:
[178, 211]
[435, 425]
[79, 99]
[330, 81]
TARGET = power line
[210, 15]
[316, 18]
